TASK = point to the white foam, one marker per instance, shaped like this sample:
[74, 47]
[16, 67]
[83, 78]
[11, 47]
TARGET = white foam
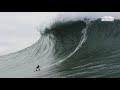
[73, 16]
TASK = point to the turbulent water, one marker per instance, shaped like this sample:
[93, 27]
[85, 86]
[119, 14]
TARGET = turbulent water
[72, 49]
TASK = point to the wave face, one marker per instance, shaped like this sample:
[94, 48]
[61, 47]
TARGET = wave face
[72, 49]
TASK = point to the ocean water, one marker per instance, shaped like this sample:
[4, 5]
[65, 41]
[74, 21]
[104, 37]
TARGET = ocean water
[72, 49]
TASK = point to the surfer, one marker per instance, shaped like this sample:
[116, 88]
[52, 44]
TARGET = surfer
[38, 68]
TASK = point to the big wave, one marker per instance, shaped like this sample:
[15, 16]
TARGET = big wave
[71, 49]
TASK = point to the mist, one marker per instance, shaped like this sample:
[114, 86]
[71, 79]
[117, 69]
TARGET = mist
[19, 30]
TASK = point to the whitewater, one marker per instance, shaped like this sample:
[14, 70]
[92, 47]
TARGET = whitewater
[68, 49]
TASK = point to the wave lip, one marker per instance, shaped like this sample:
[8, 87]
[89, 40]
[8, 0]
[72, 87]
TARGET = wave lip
[81, 48]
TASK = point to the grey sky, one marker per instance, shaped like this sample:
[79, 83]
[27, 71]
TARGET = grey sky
[18, 30]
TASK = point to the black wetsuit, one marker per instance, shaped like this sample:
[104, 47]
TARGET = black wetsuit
[38, 68]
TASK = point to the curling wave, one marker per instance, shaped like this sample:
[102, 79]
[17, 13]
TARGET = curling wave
[71, 49]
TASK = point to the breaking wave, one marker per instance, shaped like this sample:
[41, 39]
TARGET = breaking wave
[71, 49]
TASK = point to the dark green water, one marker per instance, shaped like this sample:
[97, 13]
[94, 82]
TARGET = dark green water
[71, 49]
[99, 55]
